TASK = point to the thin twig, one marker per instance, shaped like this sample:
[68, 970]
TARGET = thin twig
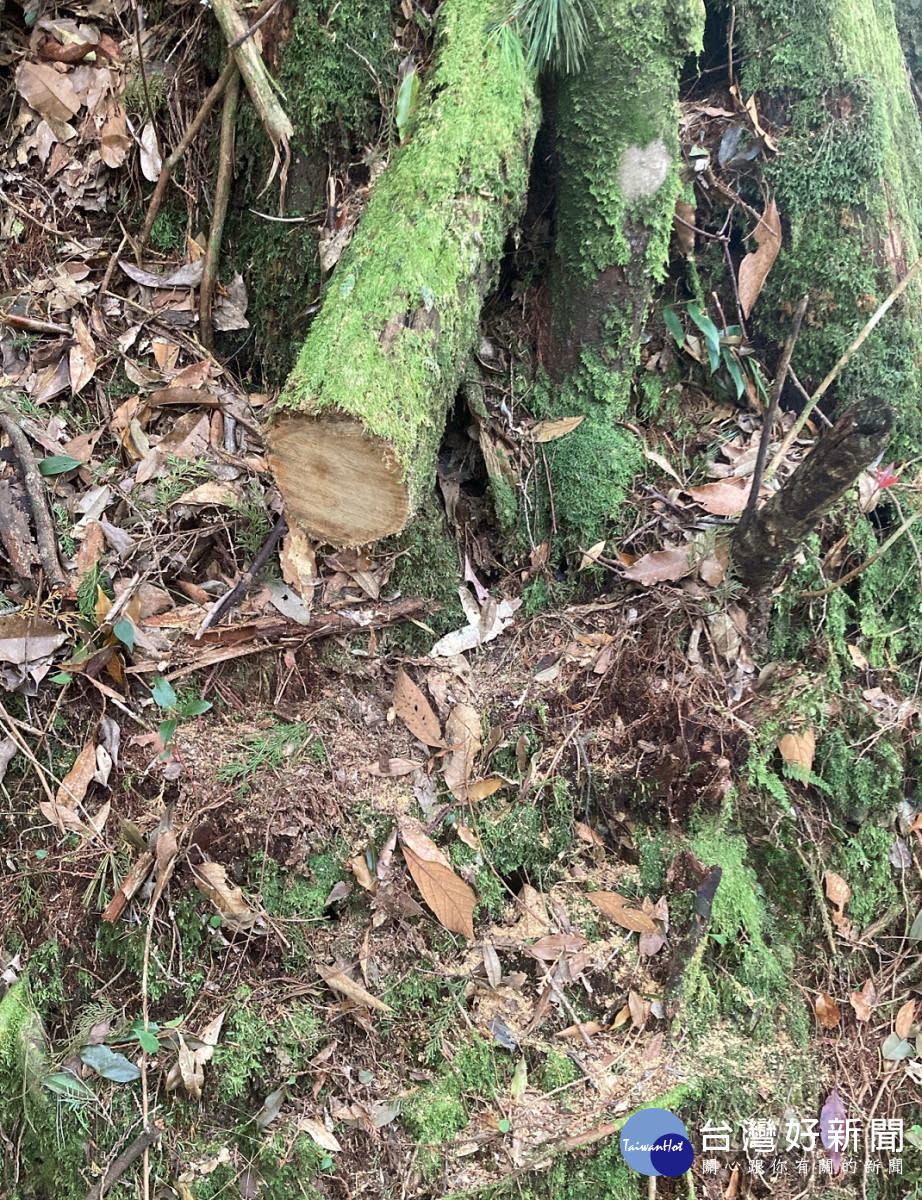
[261, 18]
[12, 733]
[774, 400]
[44, 526]
[170, 164]
[141, 1144]
[222, 196]
[907, 523]
[242, 586]
[840, 364]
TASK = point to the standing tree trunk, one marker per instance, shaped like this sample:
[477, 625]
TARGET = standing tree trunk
[616, 130]
[354, 440]
[846, 181]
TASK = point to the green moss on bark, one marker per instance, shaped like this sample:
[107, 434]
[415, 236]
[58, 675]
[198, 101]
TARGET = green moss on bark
[616, 135]
[846, 185]
[402, 309]
[332, 70]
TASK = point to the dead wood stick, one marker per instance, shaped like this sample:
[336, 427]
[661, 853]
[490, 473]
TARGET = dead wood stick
[44, 526]
[258, 83]
[145, 1139]
[840, 365]
[243, 584]
[221, 198]
[170, 164]
[133, 880]
[31, 325]
[774, 400]
[284, 632]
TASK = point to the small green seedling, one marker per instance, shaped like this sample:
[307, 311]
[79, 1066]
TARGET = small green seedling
[723, 348]
[174, 710]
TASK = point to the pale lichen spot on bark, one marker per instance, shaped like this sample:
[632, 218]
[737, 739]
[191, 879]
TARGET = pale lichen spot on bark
[643, 170]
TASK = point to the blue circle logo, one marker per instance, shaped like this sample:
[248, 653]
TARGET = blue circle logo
[655, 1142]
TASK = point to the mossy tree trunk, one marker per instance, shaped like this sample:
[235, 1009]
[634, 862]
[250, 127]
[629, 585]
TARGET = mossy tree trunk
[616, 138]
[354, 441]
[846, 182]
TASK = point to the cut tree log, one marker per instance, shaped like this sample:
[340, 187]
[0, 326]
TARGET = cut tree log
[355, 434]
[822, 479]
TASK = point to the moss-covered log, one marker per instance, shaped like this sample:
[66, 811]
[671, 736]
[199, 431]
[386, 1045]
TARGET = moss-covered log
[354, 439]
[836, 91]
[616, 127]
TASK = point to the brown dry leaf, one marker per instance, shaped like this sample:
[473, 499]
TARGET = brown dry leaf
[78, 778]
[904, 1018]
[684, 235]
[340, 982]
[591, 556]
[797, 749]
[211, 881]
[415, 711]
[47, 91]
[587, 834]
[857, 657]
[189, 1069]
[549, 431]
[91, 549]
[480, 789]
[550, 947]
[733, 1187]
[114, 142]
[863, 1002]
[755, 267]
[613, 905]
[318, 1133]
[724, 498]
[449, 897]
[711, 571]
[837, 890]
[467, 835]
[827, 1011]
[638, 1008]
[299, 563]
[213, 494]
[662, 566]
[664, 465]
[491, 965]
[82, 357]
[63, 817]
[391, 768]
[462, 733]
[362, 872]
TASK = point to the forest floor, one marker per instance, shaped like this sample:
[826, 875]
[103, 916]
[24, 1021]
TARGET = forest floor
[355, 890]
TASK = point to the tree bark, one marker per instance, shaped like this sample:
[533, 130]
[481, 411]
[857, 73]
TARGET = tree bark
[354, 439]
[834, 91]
[617, 156]
[761, 545]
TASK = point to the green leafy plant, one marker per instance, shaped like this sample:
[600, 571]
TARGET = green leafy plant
[723, 349]
[174, 710]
